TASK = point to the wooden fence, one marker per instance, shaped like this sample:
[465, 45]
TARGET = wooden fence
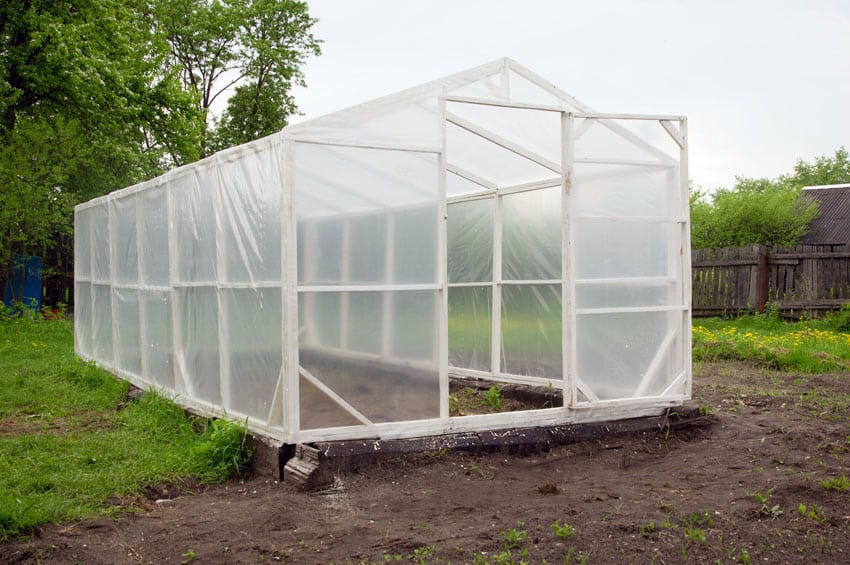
[800, 280]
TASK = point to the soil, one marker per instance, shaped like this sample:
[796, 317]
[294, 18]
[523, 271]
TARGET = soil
[747, 489]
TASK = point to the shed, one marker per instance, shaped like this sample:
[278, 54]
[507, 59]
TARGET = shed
[331, 281]
[832, 226]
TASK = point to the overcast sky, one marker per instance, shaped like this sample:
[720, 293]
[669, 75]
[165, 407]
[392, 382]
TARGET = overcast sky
[763, 83]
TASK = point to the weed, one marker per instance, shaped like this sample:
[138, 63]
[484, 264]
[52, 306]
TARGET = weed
[421, 554]
[513, 538]
[815, 512]
[745, 556]
[562, 530]
[764, 499]
[838, 483]
[493, 398]
[189, 556]
[646, 529]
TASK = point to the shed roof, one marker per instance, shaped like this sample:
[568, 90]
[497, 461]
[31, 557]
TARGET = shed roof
[832, 226]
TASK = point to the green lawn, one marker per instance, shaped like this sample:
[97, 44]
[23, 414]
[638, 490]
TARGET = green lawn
[70, 441]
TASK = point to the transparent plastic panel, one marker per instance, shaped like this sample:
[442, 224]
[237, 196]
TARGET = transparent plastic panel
[198, 353]
[625, 355]
[320, 251]
[489, 88]
[100, 235]
[102, 323]
[485, 159]
[83, 317]
[128, 331]
[536, 131]
[384, 214]
[412, 123]
[411, 326]
[250, 215]
[415, 246]
[82, 243]
[523, 90]
[624, 190]
[611, 249]
[319, 315]
[637, 140]
[347, 181]
[531, 330]
[470, 241]
[192, 192]
[158, 346]
[317, 410]
[254, 349]
[153, 234]
[367, 237]
[531, 235]
[386, 363]
[457, 186]
[124, 240]
[470, 318]
[620, 295]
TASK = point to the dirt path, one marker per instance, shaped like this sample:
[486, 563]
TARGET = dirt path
[733, 492]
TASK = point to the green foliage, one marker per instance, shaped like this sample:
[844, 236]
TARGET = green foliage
[256, 45]
[73, 441]
[804, 346]
[771, 212]
[513, 538]
[562, 530]
[493, 398]
[841, 483]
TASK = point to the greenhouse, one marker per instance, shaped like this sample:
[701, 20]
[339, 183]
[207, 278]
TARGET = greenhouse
[336, 280]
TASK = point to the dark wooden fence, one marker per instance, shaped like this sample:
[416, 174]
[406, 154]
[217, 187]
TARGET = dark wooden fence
[800, 280]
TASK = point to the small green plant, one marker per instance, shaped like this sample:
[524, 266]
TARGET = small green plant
[224, 451]
[815, 512]
[704, 410]
[513, 538]
[838, 483]
[693, 531]
[562, 530]
[646, 529]
[493, 398]
[189, 556]
[454, 405]
[421, 554]
[745, 556]
[764, 499]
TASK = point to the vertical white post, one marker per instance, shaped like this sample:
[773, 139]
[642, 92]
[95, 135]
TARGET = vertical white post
[686, 253]
[140, 267]
[568, 284]
[289, 247]
[110, 214]
[496, 314]
[182, 384]
[221, 277]
[442, 269]
[345, 275]
[389, 297]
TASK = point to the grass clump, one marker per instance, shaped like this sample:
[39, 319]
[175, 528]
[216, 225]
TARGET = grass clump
[806, 346]
[70, 442]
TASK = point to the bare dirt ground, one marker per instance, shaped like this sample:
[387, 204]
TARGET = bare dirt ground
[747, 489]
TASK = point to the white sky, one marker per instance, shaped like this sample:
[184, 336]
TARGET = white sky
[763, 83]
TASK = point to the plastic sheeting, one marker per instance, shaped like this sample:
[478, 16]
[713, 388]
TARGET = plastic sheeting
[321, 282]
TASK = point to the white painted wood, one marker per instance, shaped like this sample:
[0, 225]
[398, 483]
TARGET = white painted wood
[367, 287]
[680, 379]
[370, 145]
[627, 281]
[630, 309]
[471, 177]
[528, 186]
[648, 219]
[506, 282]
[503, 104]
[615, 116]
[582, 387]
[531, 76]
[686, 255]
[388, 302]
[568, 302]
[629, 162]
[290, 389]
[505, 143]
[182, 384]
[442, 345]
[674, 132]
[505, 377]
[221, 274]
[496, 297]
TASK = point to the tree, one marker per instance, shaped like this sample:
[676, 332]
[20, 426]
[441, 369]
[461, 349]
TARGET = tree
[771, 212]
[86, 106]
[256, 46]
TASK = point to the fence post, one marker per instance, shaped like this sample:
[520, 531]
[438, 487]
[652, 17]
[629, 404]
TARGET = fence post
[762, 278]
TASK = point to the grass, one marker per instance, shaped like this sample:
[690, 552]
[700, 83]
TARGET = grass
[71, 443]
[807, 346]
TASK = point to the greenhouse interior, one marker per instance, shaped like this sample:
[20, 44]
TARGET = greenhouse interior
[357, 274]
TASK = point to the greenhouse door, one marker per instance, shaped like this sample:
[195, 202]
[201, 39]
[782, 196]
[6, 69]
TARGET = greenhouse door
[506, 261]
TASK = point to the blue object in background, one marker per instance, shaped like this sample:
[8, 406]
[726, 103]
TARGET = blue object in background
[27, 270]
